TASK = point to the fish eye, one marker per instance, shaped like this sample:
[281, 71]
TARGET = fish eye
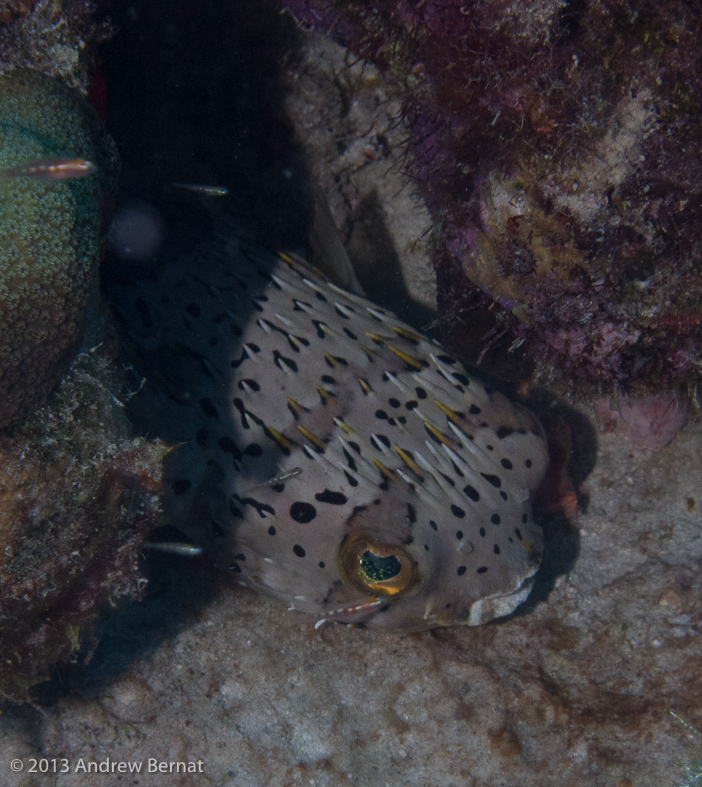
[376, 568]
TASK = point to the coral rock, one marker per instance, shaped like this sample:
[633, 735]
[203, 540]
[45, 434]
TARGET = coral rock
[556, 145]
[49, 236]
[76, 496]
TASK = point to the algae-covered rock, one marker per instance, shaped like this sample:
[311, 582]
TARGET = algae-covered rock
[557, 147]
[49, 235]
[76, 497]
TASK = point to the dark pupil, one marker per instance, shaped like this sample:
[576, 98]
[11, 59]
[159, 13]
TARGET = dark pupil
[378, 569]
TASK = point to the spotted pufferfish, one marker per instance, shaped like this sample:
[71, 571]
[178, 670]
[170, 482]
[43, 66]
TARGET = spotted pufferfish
[328, 453]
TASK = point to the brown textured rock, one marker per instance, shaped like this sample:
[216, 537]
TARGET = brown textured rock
[76, 496]
[15, 9]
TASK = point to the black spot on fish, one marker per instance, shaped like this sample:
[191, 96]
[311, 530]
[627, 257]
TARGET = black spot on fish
[527, 463]
[506, 464]
[350, 460]
[281, 359]
[321, 564]
[303, 512]
[394, 402]
[482, 532]
[492, 479]
[433, 525]
[328, 379]
[242, 411]
[459, 534]
[461, 570]
[350, 334]
[446, 359]
[381, 414]
[504, 431]
[229, 446]
[457, 470]
[299, 551]
[474, 409]
[496, 549]
[209, 408]
[271, 531]
[253, 450]
[411, 404]
[237, 363]
[320, 326]
[333, 498]
[482, 570]
[457, 511]
[382, 439]
[495, 519]
[252, 384]
[262, 508]
[350, 478]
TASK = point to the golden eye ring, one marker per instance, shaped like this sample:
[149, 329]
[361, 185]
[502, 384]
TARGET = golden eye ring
[376, 568]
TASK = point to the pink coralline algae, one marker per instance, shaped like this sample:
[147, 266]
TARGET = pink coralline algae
[651, 423]
[557, 146]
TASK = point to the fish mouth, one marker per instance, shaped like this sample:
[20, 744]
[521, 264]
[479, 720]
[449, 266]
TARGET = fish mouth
[353, 612]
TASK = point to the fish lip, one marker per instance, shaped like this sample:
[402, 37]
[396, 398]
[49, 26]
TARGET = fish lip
[357, 612]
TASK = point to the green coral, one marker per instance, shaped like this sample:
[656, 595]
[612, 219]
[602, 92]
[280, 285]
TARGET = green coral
[49, 235]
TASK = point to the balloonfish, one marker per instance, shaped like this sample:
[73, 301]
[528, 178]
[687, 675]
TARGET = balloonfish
[328, 453]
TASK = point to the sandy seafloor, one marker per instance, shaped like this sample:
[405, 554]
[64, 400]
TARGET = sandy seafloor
[597, 684]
